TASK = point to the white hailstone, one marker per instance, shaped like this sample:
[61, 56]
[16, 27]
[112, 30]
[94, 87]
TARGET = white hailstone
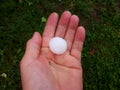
[58, 45]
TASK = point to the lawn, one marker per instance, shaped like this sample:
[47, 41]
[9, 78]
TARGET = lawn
[101, 51]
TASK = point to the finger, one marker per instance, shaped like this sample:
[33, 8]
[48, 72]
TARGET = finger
[33, 46]
[74, 20]
[63, 24]
[49, 29]
[78, 42]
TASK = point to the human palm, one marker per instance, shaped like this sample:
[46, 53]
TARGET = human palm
[43, 70]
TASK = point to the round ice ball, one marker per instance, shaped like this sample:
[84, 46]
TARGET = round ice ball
[58, 45]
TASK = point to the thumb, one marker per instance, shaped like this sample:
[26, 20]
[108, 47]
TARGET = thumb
[33, 46]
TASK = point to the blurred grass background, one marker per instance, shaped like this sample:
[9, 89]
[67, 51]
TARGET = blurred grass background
[19, 19]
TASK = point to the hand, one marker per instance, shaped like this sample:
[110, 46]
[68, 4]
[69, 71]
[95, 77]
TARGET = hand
[43, 70]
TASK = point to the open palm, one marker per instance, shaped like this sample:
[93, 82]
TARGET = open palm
[43, 70]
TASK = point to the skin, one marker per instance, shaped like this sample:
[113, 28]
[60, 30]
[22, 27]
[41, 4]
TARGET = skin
[43, 70]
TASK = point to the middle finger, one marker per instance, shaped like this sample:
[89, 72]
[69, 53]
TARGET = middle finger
[63, 24]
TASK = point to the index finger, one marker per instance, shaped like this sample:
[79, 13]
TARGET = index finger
[49, 29]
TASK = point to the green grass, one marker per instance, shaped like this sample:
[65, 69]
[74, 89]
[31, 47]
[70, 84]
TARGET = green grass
[101, 52]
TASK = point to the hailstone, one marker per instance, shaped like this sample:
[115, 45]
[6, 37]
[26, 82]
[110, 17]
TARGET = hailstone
[58, 45]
